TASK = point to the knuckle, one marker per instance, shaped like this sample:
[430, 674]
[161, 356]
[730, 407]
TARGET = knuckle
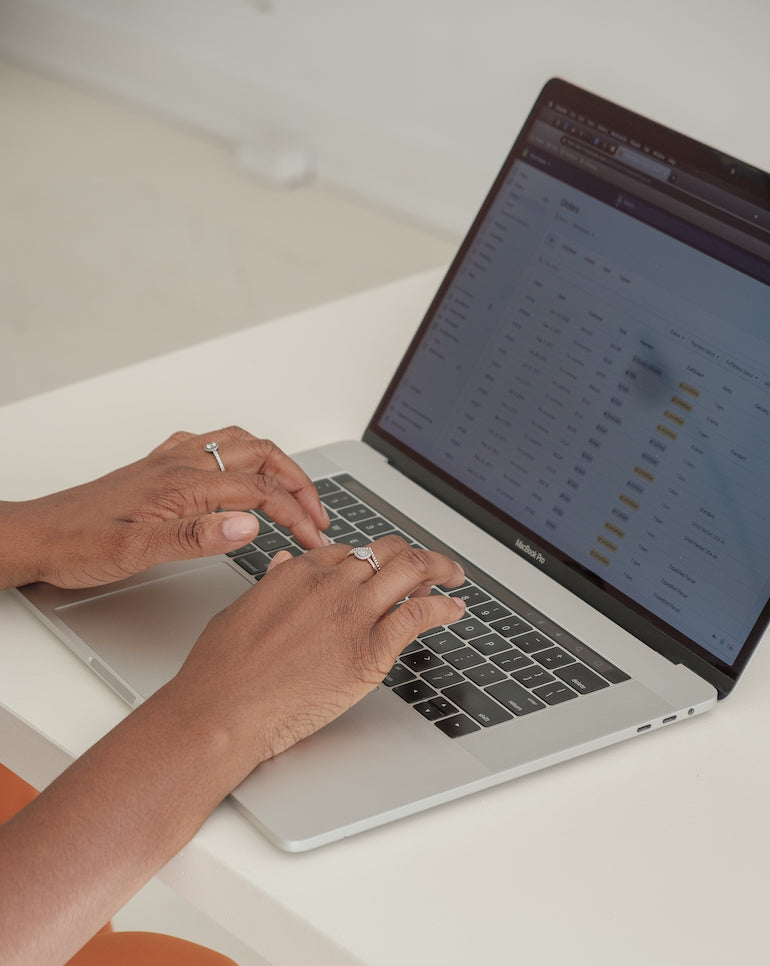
[417, 560]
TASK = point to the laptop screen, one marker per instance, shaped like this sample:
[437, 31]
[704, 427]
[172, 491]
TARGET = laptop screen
[592, 382]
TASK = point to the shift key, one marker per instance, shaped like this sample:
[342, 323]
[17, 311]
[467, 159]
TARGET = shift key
[475, 703]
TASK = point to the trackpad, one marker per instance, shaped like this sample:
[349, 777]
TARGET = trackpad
[146, 631]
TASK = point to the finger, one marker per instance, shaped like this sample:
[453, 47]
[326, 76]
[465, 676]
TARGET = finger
[402, 624]
[240, 451]
[407, 570]
[185, 538]
[281, 557]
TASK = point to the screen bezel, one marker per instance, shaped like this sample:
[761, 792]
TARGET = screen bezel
[718, 168]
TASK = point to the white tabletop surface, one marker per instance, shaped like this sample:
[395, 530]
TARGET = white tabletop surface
[653, 851]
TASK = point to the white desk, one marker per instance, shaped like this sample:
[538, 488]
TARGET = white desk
[654, 851]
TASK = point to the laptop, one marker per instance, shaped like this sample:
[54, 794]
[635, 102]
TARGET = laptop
[582, 420]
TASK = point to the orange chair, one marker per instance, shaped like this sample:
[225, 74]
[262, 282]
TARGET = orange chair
[109, 948]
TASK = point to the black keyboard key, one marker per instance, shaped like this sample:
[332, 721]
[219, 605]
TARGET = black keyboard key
[375, 527]
[489, 644]
[469, 628]
[532, 641]
[515, 697]
[241, 550]
[338, 499]
[477, 704]
[533, 677]
[338, 528]
[490, 611]
[510, 661]
[355, 539]
[255, 563]
[485, 674]
[442, 641]
[470, 594]
[422, 660]
[325, 487]
[413, 646]
[581, 678]
[435, 708]
[554, 657]
[457, 726]
[442, 677]
[556, 693]
[270, 542]
[414, 691]
[353, 514]
[510, 626]
[398, 674]
[463, 658]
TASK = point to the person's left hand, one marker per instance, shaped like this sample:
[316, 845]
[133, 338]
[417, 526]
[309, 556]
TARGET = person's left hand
[158, 509]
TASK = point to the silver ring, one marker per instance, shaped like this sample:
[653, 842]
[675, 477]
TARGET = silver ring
[212, 448]
[367, 554]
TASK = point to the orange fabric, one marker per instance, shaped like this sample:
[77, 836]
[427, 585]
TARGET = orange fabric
[146, 949]
[110, 948]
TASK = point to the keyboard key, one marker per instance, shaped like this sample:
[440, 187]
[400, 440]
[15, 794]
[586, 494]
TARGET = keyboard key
[442, 677]
[510, 661]
[515, 697]
[353, 514]
[489, 644]
[338, 499]
[532, 641]
[457, 726]
[581, 678]
[510, 626]
[441, 642]
[255, 563]
[338, 528]
[270, 542]
[325, 487]
[476, 704]
[555, 693]
[468, 628]
[490, 611]
[485, 674]
[414, 691]
[241, 550]
[413, 646]
[533, 677]
[398, 674]
[422, 660]
[471, 595]
[375, 527]
[554, 657]
[463, 658]
[435, 708]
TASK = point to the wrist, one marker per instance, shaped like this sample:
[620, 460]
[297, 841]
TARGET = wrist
[22, 556]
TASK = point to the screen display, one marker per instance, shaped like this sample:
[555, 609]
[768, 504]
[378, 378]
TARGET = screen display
[597, 372]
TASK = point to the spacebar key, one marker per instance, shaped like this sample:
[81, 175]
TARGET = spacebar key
[475, 703]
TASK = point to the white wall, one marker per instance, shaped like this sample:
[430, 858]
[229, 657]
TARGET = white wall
[410, 102]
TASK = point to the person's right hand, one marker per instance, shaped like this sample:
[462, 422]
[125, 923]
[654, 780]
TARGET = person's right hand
[313, 637]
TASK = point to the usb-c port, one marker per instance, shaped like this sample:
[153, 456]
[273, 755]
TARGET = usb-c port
[644, 728]
[669, 719]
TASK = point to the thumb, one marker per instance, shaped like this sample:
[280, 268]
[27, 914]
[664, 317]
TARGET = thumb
[210, 534]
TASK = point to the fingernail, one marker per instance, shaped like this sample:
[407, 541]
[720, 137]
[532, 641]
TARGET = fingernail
[460, 604]
[324, 539]
[241, 527]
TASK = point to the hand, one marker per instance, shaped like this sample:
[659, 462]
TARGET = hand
[313, 637]
[158, 509]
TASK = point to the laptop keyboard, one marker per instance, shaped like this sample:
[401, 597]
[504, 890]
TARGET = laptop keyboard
[503, 660]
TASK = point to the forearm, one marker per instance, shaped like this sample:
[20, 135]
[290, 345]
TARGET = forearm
[73, 857]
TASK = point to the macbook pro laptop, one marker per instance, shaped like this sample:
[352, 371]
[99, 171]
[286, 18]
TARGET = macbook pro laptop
[583, 421]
